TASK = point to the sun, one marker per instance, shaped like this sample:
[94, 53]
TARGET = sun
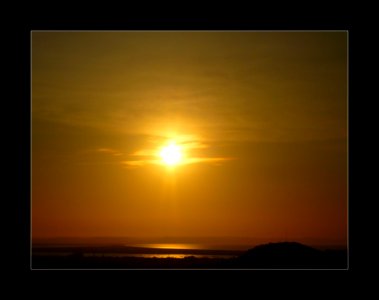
[171, 154]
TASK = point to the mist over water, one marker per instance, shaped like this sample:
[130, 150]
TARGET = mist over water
[192, 246]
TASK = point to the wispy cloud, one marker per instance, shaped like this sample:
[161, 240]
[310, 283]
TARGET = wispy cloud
[217, 160]
[187, 161]
[191, 147]
[109, 151]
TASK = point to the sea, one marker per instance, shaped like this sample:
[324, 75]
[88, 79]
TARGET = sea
[158, 250]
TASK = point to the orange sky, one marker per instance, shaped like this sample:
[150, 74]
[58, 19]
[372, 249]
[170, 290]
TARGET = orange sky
[261, 118]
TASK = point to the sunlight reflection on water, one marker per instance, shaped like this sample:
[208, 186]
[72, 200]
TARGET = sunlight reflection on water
[177, 256]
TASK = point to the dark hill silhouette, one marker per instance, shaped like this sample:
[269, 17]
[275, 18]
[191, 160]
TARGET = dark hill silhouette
[291, 255]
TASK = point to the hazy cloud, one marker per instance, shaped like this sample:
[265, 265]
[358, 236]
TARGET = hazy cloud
[110, 151]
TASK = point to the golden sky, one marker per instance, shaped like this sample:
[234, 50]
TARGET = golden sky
[261, 118]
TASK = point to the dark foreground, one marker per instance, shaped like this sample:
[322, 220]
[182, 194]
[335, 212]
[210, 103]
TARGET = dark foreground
[268, 256]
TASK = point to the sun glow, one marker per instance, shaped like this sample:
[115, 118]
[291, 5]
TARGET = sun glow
[171, 154]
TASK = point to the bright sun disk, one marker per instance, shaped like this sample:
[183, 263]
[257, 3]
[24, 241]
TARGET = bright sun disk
[171, 154]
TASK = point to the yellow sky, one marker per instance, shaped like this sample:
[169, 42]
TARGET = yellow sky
[261, 118]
